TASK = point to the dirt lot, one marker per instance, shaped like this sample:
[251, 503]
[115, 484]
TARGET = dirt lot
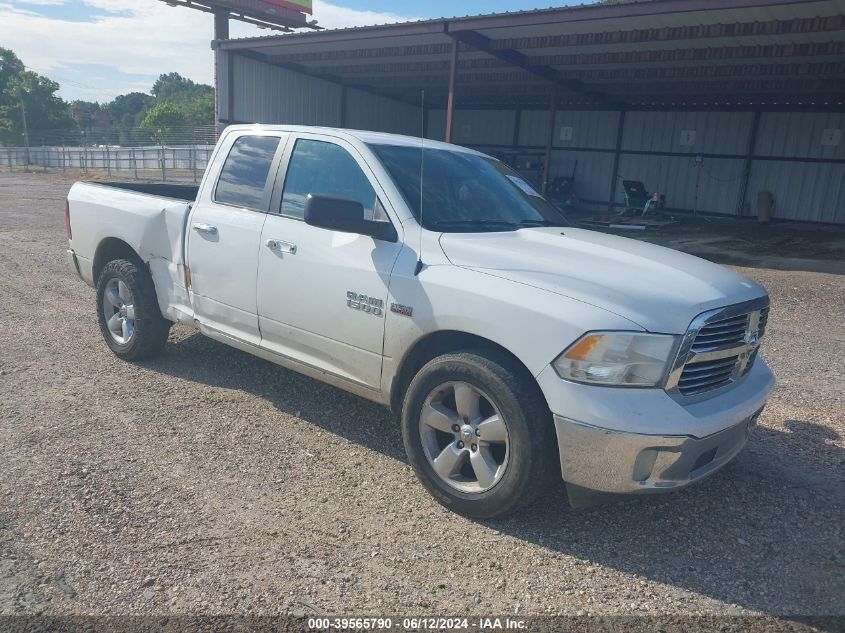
[209, 481]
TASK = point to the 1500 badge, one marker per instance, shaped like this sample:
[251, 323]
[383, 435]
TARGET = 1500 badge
[370, 305]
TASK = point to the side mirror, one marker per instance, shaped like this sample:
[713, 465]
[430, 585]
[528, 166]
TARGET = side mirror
[342, 214]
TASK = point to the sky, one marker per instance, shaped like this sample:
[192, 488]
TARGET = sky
[98, 49]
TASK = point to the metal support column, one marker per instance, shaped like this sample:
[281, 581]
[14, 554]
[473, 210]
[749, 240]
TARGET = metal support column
[746, 168]
[450, 105]
[550, 137]
[617, 152]
[221, 32]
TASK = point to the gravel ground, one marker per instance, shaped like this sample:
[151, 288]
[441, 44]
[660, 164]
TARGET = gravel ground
[208, 481]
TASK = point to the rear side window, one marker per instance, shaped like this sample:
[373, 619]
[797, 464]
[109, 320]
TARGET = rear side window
[244, 175]
[325, 168]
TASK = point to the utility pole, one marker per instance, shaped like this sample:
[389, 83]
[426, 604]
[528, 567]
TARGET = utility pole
[25, 128]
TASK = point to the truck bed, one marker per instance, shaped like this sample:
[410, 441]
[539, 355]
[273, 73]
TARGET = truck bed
[149, 218]
[177, 192]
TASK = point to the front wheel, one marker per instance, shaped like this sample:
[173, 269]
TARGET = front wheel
[478, 434]
[128, 311]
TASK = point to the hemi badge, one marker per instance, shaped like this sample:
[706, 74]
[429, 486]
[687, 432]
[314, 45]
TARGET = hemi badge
[398, 308]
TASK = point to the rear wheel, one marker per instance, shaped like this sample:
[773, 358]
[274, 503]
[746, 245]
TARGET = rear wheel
[128, 311]
[478, 435]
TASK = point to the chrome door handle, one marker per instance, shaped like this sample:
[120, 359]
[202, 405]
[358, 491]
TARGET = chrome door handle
[281, 246]
[205, 228]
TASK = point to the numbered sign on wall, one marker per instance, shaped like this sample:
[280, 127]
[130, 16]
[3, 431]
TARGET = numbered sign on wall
[831, 137]
[687, 138]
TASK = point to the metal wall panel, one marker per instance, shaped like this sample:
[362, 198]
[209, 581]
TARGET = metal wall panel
[474, 127]
[533, 126]
[587, 129]
[802, 191]
[222, 86]
[715, 132]
[269, 94]
[712, 185]
[592, 172]
[365, 111]
[488, 127]
[436, 125]
[794, 134]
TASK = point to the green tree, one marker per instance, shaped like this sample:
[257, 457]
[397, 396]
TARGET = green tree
[32, 97]
[10, 66]
[178, 89]
[163, 119]
[127, 111]
[200, 111]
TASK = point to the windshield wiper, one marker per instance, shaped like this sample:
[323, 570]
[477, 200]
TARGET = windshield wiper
[484, 222]
[530, 223]
[522, 224]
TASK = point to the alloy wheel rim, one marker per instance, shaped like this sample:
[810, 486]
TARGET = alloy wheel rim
[119, 311]
[464, 437]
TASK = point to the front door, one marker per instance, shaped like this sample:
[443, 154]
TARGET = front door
[322, 294]
[224, 233]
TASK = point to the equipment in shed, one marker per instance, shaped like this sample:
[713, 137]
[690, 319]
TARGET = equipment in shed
[638, 201]
[562, 191]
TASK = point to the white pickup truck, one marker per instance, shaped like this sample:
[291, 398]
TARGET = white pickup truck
[433, 279]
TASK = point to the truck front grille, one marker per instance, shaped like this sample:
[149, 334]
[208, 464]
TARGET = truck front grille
[730, 331]
[720, 346]
[707, 375]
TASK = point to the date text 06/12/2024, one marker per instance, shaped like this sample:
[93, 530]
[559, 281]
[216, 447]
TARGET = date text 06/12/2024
[419, 623]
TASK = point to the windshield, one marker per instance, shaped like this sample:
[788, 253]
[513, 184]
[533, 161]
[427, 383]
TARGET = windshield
[465, 192]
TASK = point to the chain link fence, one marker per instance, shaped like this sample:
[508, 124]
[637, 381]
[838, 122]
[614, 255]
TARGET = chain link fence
[177, 154]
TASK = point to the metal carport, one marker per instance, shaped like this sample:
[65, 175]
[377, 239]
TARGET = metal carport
[710, 101]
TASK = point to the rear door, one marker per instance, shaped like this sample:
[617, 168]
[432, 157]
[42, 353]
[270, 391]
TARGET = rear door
[322, 294]
[224, 233]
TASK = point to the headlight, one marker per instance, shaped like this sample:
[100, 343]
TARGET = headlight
[617, 358]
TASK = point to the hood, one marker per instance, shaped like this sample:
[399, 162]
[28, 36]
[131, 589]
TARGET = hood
[658, 288]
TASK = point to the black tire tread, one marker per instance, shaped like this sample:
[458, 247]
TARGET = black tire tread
[541, 468]
[151, 328]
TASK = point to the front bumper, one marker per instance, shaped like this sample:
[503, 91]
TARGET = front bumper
[604, 460]
[619, 440]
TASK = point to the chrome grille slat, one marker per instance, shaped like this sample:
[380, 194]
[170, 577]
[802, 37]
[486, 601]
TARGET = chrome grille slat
[716, 342]
[720, 346]
[734, 329]
[736, 319]
[698, 368]
[692, 391]
[703, 374]
[704, 381]
[721, 333]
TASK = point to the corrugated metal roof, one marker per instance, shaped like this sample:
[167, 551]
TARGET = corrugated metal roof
[643, 53]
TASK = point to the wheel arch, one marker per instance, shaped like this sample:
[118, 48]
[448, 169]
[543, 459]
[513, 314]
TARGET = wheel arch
[109, 249]
[441, 342]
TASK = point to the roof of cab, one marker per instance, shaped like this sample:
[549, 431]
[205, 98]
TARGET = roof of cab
[364, 136]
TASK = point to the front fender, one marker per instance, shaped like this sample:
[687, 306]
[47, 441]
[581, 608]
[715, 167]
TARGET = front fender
[534, 325]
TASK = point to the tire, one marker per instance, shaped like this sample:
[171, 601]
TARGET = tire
[149, 329]
[524, 468]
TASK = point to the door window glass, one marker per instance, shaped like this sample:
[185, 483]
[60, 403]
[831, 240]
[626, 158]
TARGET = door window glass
[244, 175]
[325, 168]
